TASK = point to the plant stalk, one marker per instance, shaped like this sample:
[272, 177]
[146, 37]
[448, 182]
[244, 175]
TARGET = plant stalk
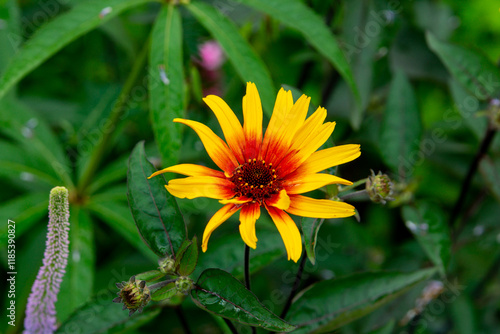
[296, 284]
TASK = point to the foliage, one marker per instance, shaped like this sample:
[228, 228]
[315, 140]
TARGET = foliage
[88, 92]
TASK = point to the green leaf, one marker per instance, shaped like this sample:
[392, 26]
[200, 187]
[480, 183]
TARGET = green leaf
[220, 293]
[297, 15]
[25, 210]
[104, 316]
[10, 15]
[77, 285]
[118, 217]
[244, 59]
[489, 170]
[164, 292]
[310, 228]
[472, 69]
[167, 98]
[428, 224]
[226, 253]
[149, 276]
[189, 259]
[330, 304]
[401, 127]
[385, 329]
[58, 33]
[155, 211]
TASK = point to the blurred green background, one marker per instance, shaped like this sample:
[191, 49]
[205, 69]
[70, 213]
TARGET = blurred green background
[53, 123]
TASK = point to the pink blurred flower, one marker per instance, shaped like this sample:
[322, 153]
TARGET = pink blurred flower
[212, 55]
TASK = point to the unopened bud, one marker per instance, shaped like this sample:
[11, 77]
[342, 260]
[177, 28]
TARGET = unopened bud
[167, 265]
[379, 187]
[184, 284]
[133, 294]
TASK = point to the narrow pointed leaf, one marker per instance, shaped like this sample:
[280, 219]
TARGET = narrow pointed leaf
[310, 228]
[155, 211]
[220, 293]
[58, 33]
[428, 224]
[104, 316]
[472, 69]
[166, 83]
[163, 293]
[244, 59]
[297, 15]
[330, 304]
[149, 276]
[180, 252]
[401, 127]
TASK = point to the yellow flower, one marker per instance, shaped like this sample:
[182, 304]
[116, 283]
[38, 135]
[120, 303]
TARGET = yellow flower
[271, 172]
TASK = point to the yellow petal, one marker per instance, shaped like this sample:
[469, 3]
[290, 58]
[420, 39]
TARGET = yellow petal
[319, 208]
[329, 157]
[216, 147]
[236, 200]
[248, 216]
[201, 186]
[311, 182]
[280, 201]
[231, 127]
[288, 231]
[252, 115]
[189, 170]
[217, 219]
[309, 128]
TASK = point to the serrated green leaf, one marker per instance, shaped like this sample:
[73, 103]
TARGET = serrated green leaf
[428, 224]
[330, 304]
[472, 69]
[118, 217]
[489, 170]
[77, 285]
[155, 211]
[245, 61]
[297, 15]
[401, 127]
[149, 276]
[167, 98]
[104, 316]
[220, 293]
[58, 33]
[25, 210]
[163, 293]
[189, 259]
[310, 228]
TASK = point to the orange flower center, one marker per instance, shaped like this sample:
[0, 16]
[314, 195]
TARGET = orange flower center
[256, 180]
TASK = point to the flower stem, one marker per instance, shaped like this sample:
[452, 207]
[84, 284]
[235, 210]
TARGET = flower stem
[247, 267]
[354, 185]
[359, 193]
[114, 118]
[182, 319]
[247, 274]
[296, 284]
[485, 144]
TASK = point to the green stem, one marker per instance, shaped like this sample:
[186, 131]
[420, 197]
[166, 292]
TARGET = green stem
[354, 185]
[359, 194]
[115, 117]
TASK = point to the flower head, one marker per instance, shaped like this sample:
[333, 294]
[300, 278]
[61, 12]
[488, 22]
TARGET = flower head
[270, 170]
[40, 311]
[133, 294]
[379, 187]
[211, 55]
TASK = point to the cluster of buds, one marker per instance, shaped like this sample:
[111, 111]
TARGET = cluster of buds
[379, 187]
[133, 294]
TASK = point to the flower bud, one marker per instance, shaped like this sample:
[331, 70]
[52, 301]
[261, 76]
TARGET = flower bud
[167, 265]
[494, 113]
[379, 187]
[133, 294]
[184, 284]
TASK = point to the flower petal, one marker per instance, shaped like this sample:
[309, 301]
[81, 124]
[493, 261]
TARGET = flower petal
[231, 127]
[311, 182]
[310, 127]
[280, 201]
[327, 158]
[248, 216]
[236, 200]
[252, 125]
[217, 219]
[201, 186]
[319, 208]
[190, 170]
[288, 231]
[216, 147]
